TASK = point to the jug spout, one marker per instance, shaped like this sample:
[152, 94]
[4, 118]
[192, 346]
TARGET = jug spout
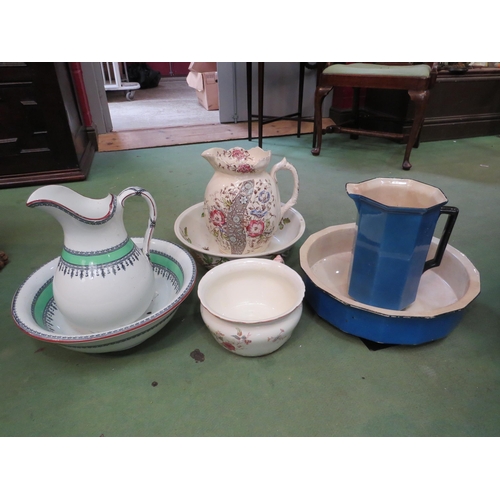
[78, 215]
[237, 160]
[395, 193]
[351, 190]
[210, 154]
[71, 203]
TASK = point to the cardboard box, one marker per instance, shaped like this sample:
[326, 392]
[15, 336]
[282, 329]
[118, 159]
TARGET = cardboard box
[203, 78]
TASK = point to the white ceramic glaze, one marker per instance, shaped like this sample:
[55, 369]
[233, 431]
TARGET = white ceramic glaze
[242, 201]
[102, 280]
[251, 306]
[396, 192]
[191, 230]
[37, 314]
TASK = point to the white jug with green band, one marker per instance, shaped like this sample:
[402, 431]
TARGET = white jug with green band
[102, 281]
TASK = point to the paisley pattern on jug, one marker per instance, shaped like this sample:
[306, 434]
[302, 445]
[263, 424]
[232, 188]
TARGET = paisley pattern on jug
[241, 216]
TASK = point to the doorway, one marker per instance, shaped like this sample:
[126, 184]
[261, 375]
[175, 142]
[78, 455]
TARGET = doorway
[231, 119]
[170, 104]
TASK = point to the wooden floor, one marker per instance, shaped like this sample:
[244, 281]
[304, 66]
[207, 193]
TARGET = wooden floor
[139, 139]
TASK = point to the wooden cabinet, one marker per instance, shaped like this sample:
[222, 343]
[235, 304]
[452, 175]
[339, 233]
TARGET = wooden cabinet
[466, 105]
[42, 135]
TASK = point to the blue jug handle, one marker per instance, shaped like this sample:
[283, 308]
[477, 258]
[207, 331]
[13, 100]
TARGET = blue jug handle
[452, 213]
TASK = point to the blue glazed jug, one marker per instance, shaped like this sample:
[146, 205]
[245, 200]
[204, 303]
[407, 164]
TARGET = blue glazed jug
[396, 222]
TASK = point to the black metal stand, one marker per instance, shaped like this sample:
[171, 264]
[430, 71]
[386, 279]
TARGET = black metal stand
[262, 119]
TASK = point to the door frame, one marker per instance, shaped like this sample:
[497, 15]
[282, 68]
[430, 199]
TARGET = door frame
[96, 95]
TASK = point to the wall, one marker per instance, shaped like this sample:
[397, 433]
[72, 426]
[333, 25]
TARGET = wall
[281, 87]
[169, 69]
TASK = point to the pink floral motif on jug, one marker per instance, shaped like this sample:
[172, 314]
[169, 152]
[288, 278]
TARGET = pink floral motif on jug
[217, 218]
[242, 215]
[236, 160]
[255, 228]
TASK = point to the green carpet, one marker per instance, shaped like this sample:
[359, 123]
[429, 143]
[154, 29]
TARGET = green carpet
[322, 382]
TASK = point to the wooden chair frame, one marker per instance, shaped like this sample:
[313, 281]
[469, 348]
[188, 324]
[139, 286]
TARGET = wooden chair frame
[418, 89]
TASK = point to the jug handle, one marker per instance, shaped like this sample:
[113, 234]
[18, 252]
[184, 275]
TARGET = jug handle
[452, 213]
[283, 164]
[137, 191]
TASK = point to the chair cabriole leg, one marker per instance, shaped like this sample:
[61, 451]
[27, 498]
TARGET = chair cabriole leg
[420, 98]
[319, 97]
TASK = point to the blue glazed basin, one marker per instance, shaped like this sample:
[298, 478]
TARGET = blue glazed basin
[443, 294]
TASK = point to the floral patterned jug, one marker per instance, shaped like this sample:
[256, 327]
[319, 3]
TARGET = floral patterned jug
[102, 281]
[242, 204]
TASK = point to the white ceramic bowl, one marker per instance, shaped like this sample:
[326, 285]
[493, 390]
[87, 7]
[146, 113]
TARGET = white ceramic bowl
[251, 306]
[191, 230]
[36, 314]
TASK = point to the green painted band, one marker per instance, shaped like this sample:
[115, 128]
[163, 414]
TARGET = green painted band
[98, 259]
[162, 260]
[44, 297]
